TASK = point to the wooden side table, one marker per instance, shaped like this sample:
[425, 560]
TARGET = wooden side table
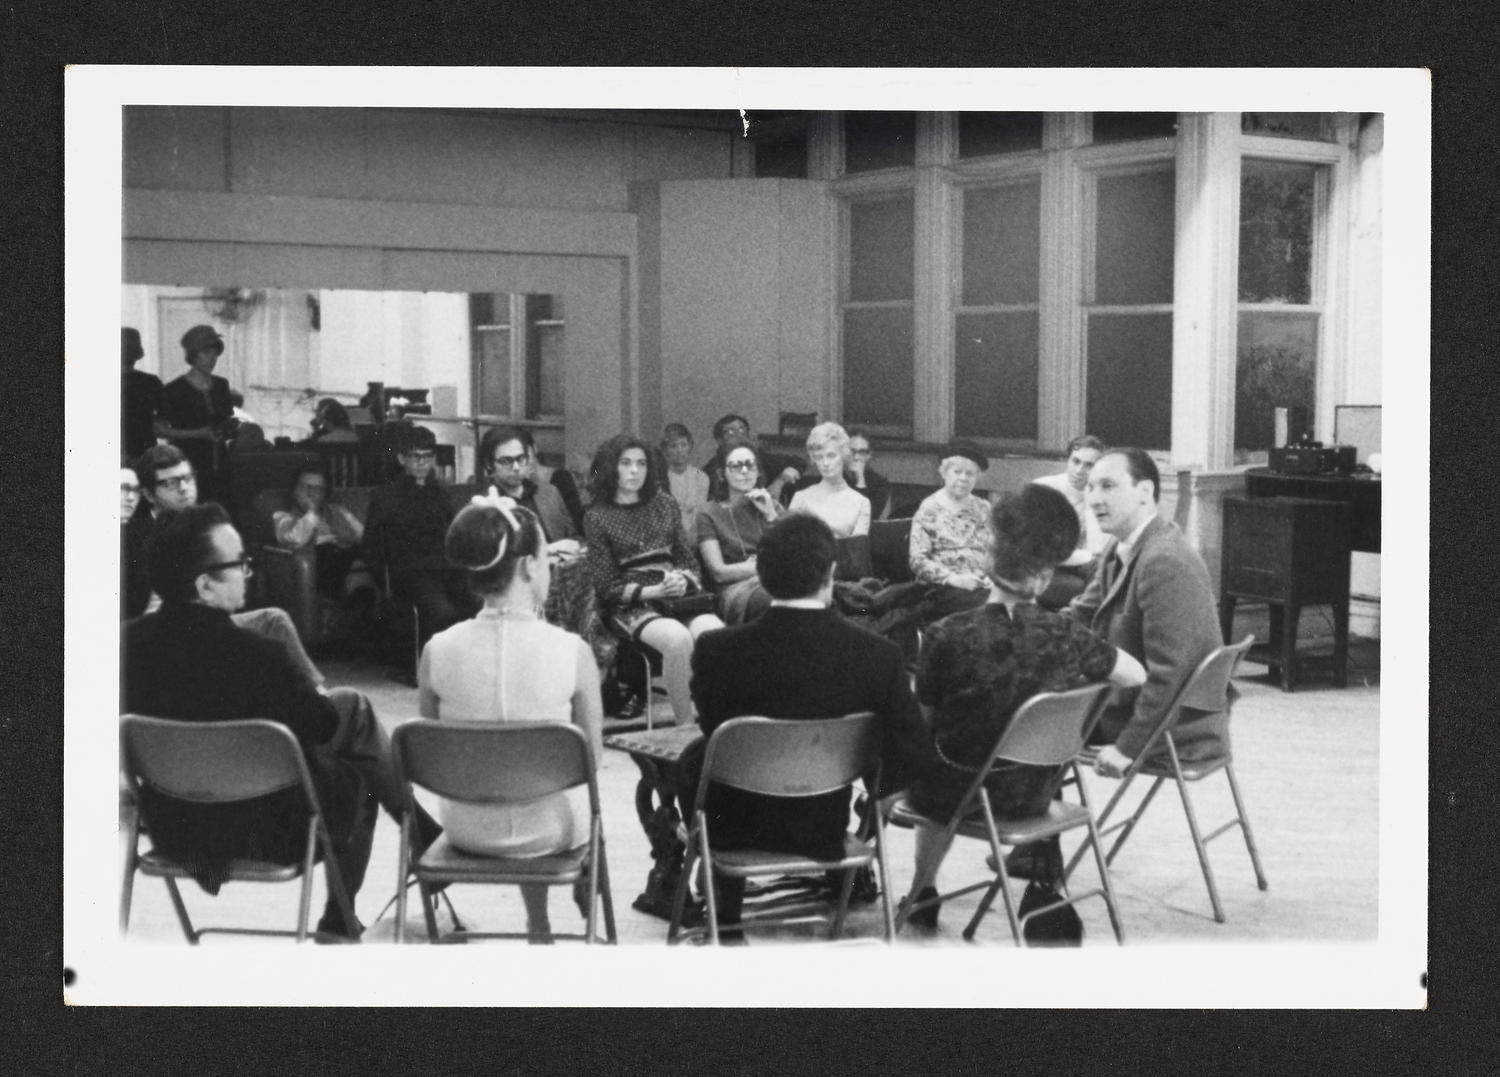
[1289, 552]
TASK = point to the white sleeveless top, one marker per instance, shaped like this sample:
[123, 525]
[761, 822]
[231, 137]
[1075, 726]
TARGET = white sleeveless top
[491, 669]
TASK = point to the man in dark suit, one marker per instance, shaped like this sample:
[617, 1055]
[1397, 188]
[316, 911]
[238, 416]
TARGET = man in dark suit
[1150, 597]
[799, 660]
[190, 662]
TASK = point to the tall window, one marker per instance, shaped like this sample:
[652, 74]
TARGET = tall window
[995, 324]
[1127, 309]
[1280, 302]
[517, 350]
[879, 286]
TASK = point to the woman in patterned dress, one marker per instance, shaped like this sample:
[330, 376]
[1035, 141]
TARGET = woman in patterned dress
[638, 554]
[950, 536]
[978, 666]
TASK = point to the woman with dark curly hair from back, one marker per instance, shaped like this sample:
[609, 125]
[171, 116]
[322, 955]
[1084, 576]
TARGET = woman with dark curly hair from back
[978, 666]
[639, 555]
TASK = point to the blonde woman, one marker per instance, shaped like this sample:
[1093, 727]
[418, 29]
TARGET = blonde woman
[844, 509]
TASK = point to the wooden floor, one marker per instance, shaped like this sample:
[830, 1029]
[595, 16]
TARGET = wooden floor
[1308, 768]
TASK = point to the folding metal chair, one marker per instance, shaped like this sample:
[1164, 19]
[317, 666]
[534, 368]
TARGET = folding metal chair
[1206, 690]
[498, 763]
[219, 763]
[1047, 731]
[782, 758]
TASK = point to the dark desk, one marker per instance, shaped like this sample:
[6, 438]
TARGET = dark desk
[1362, 492]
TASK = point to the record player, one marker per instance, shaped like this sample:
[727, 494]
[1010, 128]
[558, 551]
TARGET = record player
[1311, 458]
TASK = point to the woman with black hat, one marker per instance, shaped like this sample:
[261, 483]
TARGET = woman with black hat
[196, 410]
[951, 537]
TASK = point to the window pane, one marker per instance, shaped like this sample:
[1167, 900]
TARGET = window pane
[544, 356]
[878, 367]
[1276, 367]
[1002, 244]
[879, 140]
[1307, 125]
[1276, 229]
[984, 133]
[1130, 126]
[1133, 238]
[880, 250]
[1130, 379]
[784, 157]
[995, 375]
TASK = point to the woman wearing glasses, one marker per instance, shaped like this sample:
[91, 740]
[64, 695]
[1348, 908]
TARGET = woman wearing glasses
[729, 532]
[639, 560]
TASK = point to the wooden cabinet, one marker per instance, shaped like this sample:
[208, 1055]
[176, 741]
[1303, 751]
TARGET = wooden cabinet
[1291, 553]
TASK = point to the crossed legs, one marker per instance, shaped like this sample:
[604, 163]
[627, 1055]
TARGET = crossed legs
[674, 641]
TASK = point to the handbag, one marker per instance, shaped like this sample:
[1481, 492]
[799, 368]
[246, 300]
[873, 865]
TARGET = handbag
[1060, 927]
[686, 607]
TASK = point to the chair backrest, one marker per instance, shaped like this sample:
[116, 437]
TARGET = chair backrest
[1208, 688]
[890, 549]
[797, 424]
[787, 758]
[343, 463]
[1049, 729]
[213, 762]
[492, 762]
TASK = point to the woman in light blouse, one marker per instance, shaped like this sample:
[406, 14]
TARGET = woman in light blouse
[844, 509]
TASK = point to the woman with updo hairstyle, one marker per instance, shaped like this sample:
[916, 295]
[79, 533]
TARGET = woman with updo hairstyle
[978, 666]
[844, 509]
[509, 665]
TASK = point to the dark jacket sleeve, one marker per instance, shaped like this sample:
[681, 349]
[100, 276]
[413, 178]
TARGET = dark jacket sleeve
[563, 480]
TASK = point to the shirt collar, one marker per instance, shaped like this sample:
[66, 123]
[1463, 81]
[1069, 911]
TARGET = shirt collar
[1127, 546]
[799, 603]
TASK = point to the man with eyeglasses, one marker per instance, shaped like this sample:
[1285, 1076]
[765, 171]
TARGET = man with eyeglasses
[509, 454]
[404, 532]
[168, 482]
[190, 662]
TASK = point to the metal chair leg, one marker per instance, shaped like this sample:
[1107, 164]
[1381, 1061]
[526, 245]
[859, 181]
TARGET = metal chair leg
[309, 858]
[591, 922]
[684, 882]
[403, 869]
[182, 913]
[1135, 818]
[1239, 807]
[843, 908]
[127, 886]
[885, 881]
[1201, 849]
[609, 900]
[429, 913]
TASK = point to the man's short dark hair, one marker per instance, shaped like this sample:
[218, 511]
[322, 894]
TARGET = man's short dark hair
[155, 460]
[725, 420]
[409, 437]
[497, 436]
[1035, 528]
[179, 548]
[1086, 441]
[794, 556]
[1141, 467]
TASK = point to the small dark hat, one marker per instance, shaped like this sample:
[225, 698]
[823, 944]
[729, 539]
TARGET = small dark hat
[130, 345]
[969, 451]
[202, 336]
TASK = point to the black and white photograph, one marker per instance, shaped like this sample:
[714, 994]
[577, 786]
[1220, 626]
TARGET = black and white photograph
[589, 532]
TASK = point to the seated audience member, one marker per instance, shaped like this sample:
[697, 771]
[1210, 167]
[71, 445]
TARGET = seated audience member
[864, 479]
[733, 430]
[404, 531]
[728, 534]
[249, 437]
[1073, 574]
[169, 486]
[332, 531]
[509, 454]
[978, 666]
[1150, 597]
[135, 582]
[330, 424]
[560, 479]
[190, 662]
[688, 484]
[950, 534]
[844, 509]
[509, 665]
[800, 660]
[140, 397]
[638, 556]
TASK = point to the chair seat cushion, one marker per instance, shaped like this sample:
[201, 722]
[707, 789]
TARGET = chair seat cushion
[1061, 815]
[769, 862]
[1192, 770]
[252, 871]
[442, 861]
